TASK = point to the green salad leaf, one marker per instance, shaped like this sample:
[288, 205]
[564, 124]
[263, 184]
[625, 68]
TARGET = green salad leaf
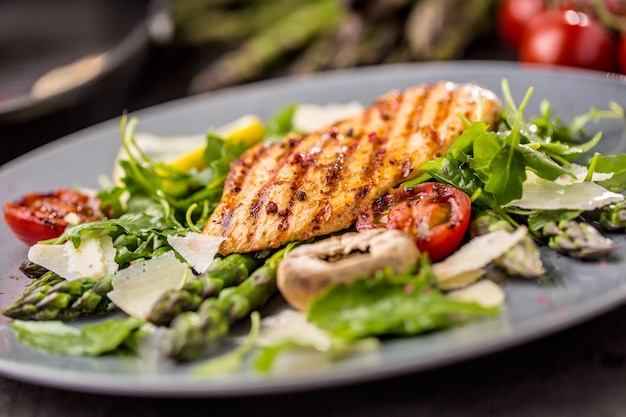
[280, 123]
[615, 164]
[399, 305]
[110, 336]
[492, 166]
[160, 182]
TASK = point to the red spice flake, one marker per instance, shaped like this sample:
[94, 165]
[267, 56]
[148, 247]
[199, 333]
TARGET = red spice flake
[542, 299]
[405, 168]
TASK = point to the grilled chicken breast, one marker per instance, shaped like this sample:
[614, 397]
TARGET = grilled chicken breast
[317, 183]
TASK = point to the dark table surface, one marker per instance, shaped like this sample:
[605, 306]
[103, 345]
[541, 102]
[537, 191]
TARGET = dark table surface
[580, 371]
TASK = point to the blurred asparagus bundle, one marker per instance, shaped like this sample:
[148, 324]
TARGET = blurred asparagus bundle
[280, 37]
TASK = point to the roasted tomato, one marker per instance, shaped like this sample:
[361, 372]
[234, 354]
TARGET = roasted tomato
[45, 216]
[437, 215]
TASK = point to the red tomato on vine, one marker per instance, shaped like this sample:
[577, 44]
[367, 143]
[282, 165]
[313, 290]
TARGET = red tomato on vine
[512, 17]
[569, 38]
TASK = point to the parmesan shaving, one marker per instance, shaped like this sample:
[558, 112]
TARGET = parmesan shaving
[541, 194]
[197, 249]
[475, 255]
[484, 292]
[137, 288]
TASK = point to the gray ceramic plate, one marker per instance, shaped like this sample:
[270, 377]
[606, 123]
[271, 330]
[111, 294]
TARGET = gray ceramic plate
[576, 290]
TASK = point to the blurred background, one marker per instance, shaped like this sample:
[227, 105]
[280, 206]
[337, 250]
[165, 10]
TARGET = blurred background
[68, 64]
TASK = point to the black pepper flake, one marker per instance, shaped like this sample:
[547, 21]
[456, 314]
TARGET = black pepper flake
[301, 195]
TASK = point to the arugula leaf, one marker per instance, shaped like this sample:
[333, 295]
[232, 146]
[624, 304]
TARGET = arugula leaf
[109, 335]
[486, 146]
[453, 172]
[280, 124]
[159, 181]
[615, 164]
[541, 164]
[464, 144]
[507, 175]
[138, 234]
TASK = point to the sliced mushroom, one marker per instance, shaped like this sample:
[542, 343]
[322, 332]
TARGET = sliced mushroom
[309, 269]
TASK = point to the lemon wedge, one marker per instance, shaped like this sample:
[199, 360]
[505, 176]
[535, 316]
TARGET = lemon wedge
[247, 130]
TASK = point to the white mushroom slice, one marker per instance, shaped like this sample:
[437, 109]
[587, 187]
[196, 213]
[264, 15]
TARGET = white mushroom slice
[309, 269]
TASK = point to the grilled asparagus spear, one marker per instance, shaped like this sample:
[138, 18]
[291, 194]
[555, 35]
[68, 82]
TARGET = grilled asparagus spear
[613, 218]
[192, 333]
[523, 259]
[59, 299]
[289, 34]
[576, 239]
[223, 273]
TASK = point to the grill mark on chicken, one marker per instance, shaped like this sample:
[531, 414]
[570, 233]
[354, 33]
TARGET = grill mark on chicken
[240, 178]
[318, 183]
[377, 141]
[364, 166]
[262, 198]
[345, 145]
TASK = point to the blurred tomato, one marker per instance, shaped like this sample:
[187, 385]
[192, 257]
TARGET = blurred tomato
[616, 7]
[570, 38]
[513, 16]
[622, 53]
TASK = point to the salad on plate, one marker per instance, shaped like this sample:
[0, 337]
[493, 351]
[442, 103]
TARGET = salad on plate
[360, 223]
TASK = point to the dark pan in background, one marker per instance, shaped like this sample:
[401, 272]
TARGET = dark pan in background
[88, 54]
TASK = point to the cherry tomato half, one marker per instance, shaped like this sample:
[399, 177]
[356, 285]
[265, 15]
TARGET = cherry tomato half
[438, 215]
[45, 216]
[569, 38]
[512, 17]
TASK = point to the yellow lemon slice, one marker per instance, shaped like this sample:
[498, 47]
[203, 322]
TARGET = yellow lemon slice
[247, 129]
